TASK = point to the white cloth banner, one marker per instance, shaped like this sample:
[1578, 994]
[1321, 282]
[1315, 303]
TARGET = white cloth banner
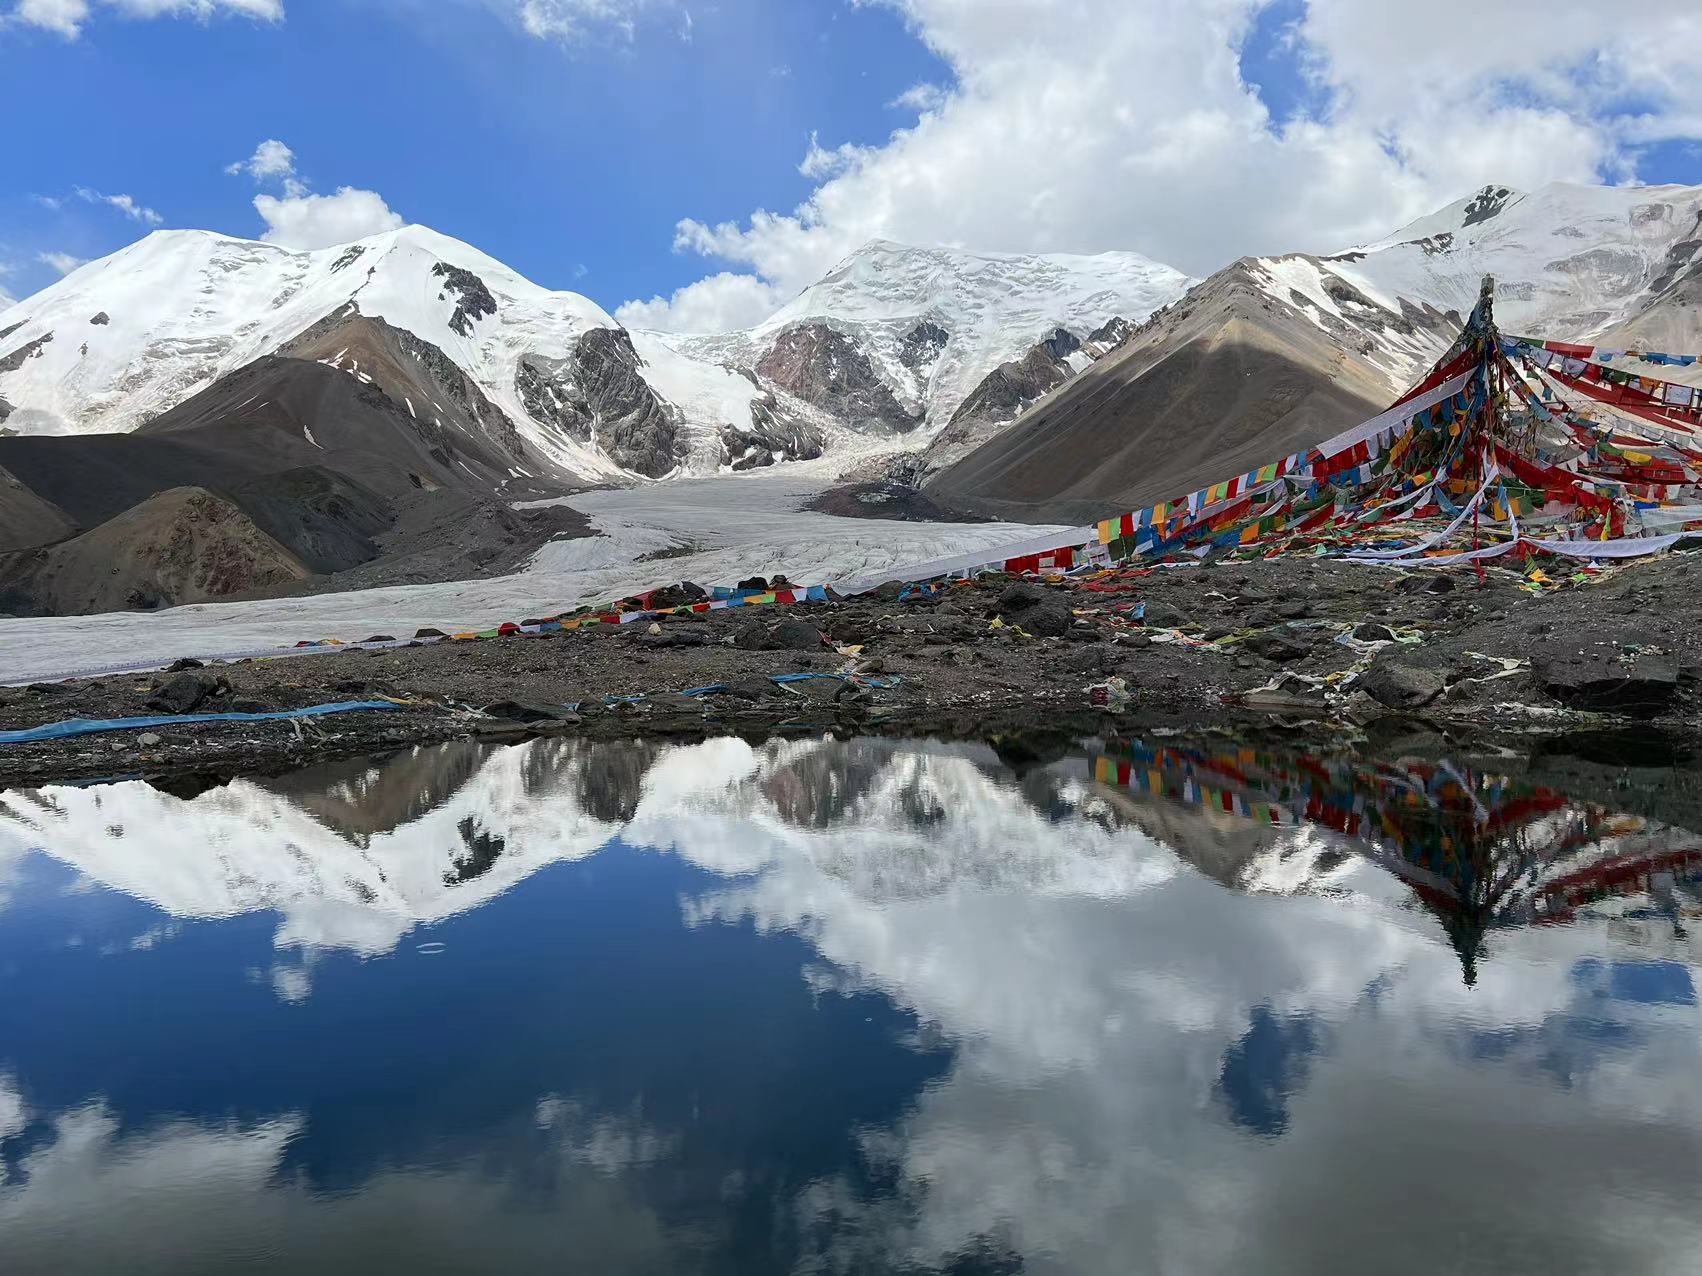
[1490, 475]
[1072, 539]
[1387, 420]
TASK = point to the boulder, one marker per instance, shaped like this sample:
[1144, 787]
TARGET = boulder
[1371, 631]
[1603, 683]
[1398, 680]
[792, 634]
[1276, 645]
[1163, 616]
[1035, 610]
[530, 711]
[181, 694]
[680, 595]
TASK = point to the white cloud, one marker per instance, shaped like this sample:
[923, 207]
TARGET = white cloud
[1089, 125]
[319, 221]
[921, 97]
[123, 203]
[720, 303]
[575, 19]
[62, 17]
[271, 159]
[64, 263]
[68, 17]
[301, 219]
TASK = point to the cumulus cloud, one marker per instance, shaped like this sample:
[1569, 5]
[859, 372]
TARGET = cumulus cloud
[64, 263]
[1101, 124]
[301, 219]
[271, 160]
[319, 221]
[719, 303]
[68, 17]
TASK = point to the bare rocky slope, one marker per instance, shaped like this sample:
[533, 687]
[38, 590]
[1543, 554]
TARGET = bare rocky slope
[1276, 353]
[1225, 380]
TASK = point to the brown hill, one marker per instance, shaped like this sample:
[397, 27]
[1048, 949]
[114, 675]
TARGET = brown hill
[1229, 378]
[181, 546]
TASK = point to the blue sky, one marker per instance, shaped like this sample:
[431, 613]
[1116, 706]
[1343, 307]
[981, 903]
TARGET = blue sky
[1193, 134]
[555, 158]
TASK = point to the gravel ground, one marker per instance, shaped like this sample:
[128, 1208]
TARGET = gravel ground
[1356, 649]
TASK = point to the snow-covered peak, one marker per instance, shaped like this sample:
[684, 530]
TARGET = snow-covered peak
[885, 280]
[123, 339]
[991, 307]
[1568, 260]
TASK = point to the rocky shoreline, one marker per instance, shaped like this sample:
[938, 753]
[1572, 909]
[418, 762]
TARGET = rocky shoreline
[1349, 649]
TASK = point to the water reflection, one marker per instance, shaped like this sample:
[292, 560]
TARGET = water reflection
[852, 1006]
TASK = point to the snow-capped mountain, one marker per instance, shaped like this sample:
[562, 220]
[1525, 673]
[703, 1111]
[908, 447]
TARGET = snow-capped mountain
[1272, 354]
[1584, 262]
[122, 340]
[892, 338]
[924, 327]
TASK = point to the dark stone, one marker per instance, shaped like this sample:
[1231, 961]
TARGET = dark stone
[758, 583]
[751, 688]
[1294, 609]
[1275, 646]
[100, 320]
[1035, 610]
[381, 638]
[1373, 632]
[1090, 660]
[181, 694]
[1399, 680]
[792, 634]
[430, 633]
[676, 638]
[681, 595]
[182, 663]
[1603, 684]
[1163, 616]
[530, 711]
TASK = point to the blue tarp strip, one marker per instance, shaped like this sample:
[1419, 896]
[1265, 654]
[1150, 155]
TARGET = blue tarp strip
[89, 726]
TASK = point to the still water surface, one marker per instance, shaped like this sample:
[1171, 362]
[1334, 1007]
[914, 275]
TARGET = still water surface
[867, 1006]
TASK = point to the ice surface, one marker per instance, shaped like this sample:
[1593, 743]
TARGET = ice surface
[741, 525]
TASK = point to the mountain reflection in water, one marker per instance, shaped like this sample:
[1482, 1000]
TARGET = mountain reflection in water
[861, 1006]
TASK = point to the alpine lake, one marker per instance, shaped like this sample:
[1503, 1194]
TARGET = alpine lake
[1136, 1004]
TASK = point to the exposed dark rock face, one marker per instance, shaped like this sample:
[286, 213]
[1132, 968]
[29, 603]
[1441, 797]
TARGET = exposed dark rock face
[9, 329]
[1487, 203]
[922, 345]
[547, 393]
[775, 435]
[29, 350]
[349, 257]
[1111, 334]
[826, 370]
[5, 409]
[101, 320]
[1011, 387]
[475, 299]
[599, 395]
